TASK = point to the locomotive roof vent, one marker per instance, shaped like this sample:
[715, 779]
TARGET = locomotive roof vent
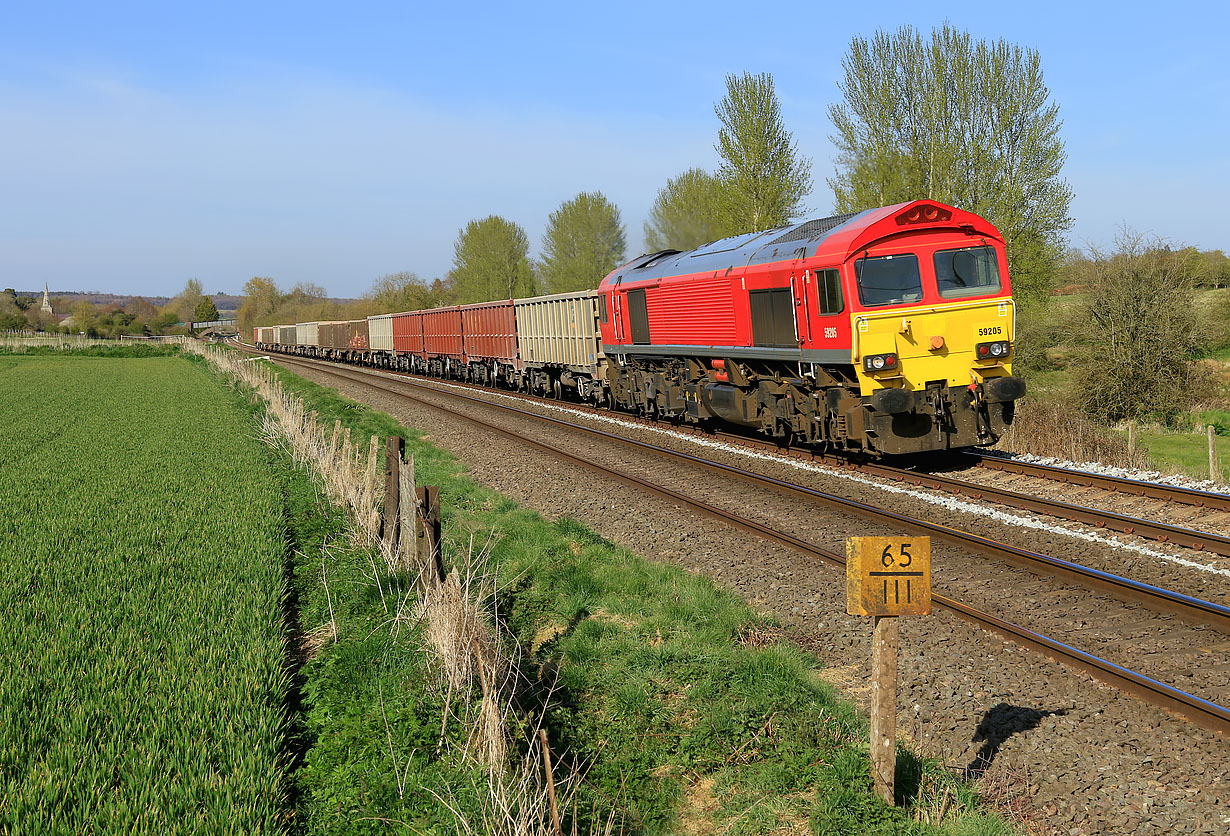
[653, 258]
[811, 229]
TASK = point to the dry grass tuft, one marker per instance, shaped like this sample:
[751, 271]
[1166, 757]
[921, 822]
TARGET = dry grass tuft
[759, 635]
[1053, 427]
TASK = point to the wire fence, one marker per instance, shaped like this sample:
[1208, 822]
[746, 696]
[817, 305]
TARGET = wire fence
[178, 339]
[25, 339]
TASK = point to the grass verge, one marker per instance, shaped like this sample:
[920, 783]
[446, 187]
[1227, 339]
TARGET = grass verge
[676, 708]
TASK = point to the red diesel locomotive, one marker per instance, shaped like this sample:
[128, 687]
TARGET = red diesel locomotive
[883, 331]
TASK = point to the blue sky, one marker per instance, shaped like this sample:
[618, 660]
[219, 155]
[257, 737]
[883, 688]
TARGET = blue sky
[143, 144]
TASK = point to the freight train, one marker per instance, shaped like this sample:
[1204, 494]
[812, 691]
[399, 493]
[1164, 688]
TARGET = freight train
[886, 331]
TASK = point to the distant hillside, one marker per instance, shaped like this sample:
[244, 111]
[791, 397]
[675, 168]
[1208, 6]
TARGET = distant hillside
[70, 296]
[224, 301]
[227, 304]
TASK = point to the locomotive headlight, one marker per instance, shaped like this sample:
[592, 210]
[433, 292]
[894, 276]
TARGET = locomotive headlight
[993, 351]
[879, 362]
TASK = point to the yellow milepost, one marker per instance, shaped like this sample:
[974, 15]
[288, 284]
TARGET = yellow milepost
[888, 576]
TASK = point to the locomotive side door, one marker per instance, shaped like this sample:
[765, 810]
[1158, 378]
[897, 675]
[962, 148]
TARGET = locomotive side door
[800, 288]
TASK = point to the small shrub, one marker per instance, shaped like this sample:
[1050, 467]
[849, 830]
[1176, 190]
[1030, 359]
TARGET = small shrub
[1138, 335]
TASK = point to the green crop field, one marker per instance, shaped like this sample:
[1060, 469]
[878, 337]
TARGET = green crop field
[142, 559]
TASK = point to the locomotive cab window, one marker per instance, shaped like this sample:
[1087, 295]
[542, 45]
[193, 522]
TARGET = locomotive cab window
[970, 271]
[828, 285]
[888, 279]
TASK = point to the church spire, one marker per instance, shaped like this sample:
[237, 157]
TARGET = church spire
[46, 300]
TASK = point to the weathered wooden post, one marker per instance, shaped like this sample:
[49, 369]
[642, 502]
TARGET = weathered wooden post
[546, 768]
[408, 523]
[1131, 436]
[429, 528]
[886, 577]
[1213, 474]
[394, 449]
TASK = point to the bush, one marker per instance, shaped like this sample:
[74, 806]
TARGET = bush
[1138, 336]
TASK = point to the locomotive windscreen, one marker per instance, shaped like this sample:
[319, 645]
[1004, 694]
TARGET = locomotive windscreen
[971, 271]
[888, 279]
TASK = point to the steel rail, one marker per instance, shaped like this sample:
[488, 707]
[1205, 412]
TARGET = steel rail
[1118, 484]
[1162, 532]
[1196, 710]
[1190, 608]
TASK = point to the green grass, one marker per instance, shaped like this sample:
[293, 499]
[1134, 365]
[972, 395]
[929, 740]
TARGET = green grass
[142, 584]
[1187, 453]
[637, 667]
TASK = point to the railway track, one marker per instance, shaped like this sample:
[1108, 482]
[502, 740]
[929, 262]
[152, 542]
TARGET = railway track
[1152, 690]
[1115, 484]
[1158, 531]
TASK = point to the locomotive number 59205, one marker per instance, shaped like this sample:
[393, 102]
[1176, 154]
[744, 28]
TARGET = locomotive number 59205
[986, 332]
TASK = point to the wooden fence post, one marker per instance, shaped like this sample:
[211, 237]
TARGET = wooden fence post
[393, 449]
[1213, 474]
[429, 528]
[1131, 436]
[407, 526]
[337, 431]
[546, 767]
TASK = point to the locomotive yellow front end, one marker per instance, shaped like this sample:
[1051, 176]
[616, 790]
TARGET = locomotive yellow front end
[937, 377]
[932, 331]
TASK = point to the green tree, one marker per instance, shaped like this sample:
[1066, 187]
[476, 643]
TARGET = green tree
[491, 261]
[84, 316]
[764, 178]
[184, 305]
[260, 298]
[963, 122]
[1138, 334]
[205, 311]
[402, 291]
[686, 213]
[584, 241]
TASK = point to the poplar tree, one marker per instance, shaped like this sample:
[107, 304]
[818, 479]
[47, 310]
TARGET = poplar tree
[686, 213]
[764, 180]
[584, 241]
[491, 261]
[964, 122]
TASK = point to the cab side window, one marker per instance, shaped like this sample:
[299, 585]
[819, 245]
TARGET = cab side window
[828, 284]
